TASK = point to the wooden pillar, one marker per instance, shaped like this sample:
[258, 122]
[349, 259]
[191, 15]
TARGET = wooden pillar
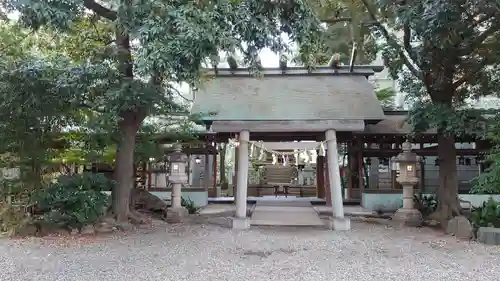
[235, 176]
[320, 176]
[206, 172]
[361, 171]
[214, 169]
[326, 178]
[394, 171]
[373, 169]
[422, 170]
[355, 161]
[350, 178]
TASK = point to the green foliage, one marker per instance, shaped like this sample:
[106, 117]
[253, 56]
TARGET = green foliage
[176, 38]
[444, 54]
[35, 108]
[189, 205]
[115, 87]
[345, 27]
[438, 69]
[488, 215]
[426, 204]
[74, 201]
[488, 182]
[15, 41]
[386, 97]
[12, 218]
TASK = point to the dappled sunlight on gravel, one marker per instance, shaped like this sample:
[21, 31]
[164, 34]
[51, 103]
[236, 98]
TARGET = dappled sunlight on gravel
[205, 250]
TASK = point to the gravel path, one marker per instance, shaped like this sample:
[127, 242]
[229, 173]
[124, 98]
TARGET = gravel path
[211, 252]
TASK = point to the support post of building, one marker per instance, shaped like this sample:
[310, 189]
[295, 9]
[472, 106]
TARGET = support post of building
[350, 170]
[214, 169]
[232, 189]
[206, 172]
[373, 170]
[326, 178]
[320, 176]
[216, 189]
[338, 221]
[240, 221]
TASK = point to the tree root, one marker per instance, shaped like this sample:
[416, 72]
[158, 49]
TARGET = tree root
[444, 213]
[136, 217]
[144, 201]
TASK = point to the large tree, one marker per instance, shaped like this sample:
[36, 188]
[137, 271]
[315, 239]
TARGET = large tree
[443, 53]
[156, 43]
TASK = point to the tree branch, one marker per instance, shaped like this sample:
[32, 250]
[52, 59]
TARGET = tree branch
[470, 73]
[407, 61]
[480, 39]
[407, 41]
[100, 10]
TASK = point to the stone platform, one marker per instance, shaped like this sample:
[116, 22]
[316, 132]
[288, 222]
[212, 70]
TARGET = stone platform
[489, 235]
[285, 213]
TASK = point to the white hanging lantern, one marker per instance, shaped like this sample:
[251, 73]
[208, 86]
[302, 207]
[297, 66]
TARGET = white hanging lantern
[262, 155]
[275, 159]
[252, 149]
[236, 141]
[321, 149]
[284, 160]
[306, 156]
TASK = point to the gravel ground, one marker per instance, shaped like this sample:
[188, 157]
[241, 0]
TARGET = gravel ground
[201, 251]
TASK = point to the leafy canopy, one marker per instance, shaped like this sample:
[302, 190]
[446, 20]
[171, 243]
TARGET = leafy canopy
[170, 41]
[447, 52]
[176, 37]
[347, 27]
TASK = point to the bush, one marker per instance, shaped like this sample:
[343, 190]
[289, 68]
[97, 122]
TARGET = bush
[488, 182]
[488, 215]
[426, 204]
[74, 201]
[189, 205]
[12, 218]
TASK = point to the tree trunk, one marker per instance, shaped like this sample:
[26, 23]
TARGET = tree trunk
[124, 168]
[124, 171]
[447, 193]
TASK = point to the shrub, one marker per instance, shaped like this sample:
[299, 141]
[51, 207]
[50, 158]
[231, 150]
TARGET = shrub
[189, 205]
[426, 204]
[488, 215]
[12, 218]
[74, 201]
[488, 182]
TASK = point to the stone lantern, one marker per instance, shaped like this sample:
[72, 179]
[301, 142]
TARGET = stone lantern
[177, 177]
[407, 162]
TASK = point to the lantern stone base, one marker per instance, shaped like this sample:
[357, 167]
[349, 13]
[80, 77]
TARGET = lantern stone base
[240, 223]
[176, 215]
[338, 224]
[408, 217]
